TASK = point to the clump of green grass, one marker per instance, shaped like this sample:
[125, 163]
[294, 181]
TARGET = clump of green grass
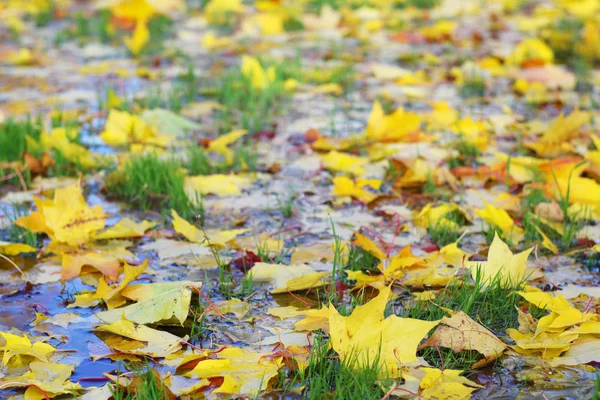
[329, 377]
[473, 87]
[422, 4]
[247, 106]
[149, 182]
[467, 154]
[493, 305]
[359, 259]
[84, 27]
[596, 392]
[198, 162]
[172, 98]
[286, 207]
[13, 135]
[146, 385]
[445, 231]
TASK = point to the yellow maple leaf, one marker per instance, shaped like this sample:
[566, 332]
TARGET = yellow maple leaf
[126, 228]
[315, 319]
[20, 347]
[346, 187]
[111, 294]
[123, 128]
[139, 39]
[61, 139]
[563, 314]
[549, 344]
[72, 263]
[216, 8]
[288, 277]
[556, 139]
[154, 302]
[391, 128]
[347, 163]
[531, 50]
[500, 219]
[216, 238]
[12, 249]
[67, 218]
[254, 71]
[145, 340]
[245, 371]
[219, 145]
[366, 335]
[49, 377]
[217, 184]
[389, 268]
[502, 264]
[132, 9]
[446, 384]
[430, 216]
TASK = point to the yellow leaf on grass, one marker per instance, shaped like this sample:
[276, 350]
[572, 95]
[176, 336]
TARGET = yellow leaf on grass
[315, 319]
[288, 277]
[446, 385]
[253, 70]
[347, 163]
[215, 8]
[126, 228]
[139, 39]
[123, 128]
[219, 145]
[367, 335]
[111, 294]
[549, 344]
[500, 219]
[218, 184]
[50, 377]
[563, 314]
[246, 372]
[460, 332]
[546, 242]
[21, 347]
[131, 9]
[391, 128]
[531, 50]
[12, 249]
[562, 130]
[442, 115]
[67, 218]
[502, 264]
[430, 216]
[145, 340]
[344, 186]
[61, 140]
[368, 245]
[155, 302]
[215, 237]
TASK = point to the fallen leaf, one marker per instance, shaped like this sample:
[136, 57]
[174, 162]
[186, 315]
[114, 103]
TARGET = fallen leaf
[459, 332]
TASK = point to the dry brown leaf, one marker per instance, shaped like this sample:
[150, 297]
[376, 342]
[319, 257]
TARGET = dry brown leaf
[460, 332]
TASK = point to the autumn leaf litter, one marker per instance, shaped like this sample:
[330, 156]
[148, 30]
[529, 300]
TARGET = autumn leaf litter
[374, 199]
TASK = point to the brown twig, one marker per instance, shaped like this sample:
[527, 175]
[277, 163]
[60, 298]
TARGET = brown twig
[12, 263]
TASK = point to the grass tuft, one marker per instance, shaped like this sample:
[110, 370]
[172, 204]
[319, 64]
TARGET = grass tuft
[327, 377]
[149, 182]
